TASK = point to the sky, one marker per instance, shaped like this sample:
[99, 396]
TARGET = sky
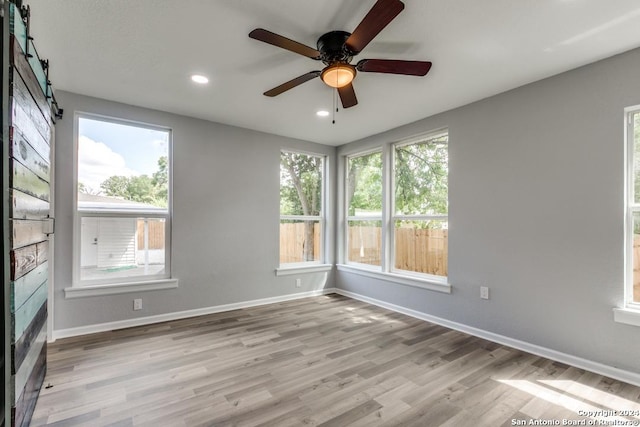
[106, 149]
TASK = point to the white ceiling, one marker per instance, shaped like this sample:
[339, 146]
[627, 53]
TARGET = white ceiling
[142, 52]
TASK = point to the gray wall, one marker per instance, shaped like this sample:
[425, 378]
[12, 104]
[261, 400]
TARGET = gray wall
[536, 213]
[225, 217]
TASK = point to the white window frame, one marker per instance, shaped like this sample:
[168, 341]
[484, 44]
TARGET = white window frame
[361, 218]
[96, 287]
[629, 313]
[387, 271]
[320, 264]
[416, 217]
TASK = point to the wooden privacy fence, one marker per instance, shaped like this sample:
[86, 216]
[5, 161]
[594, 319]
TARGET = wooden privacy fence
[292, 242]
[419, 250]
[422, 250]
[365, 244]
[156, 234]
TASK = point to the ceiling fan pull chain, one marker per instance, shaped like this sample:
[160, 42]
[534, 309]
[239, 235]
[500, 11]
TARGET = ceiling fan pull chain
[335, 105]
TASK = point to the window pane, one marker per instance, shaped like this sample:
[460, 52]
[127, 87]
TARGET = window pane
[421, 246]
[364, 185]
[636, 257]
[421, 171]
[300, 241]
[300, 184]
[365, 242]
[121, 247]
[636, 157]
[121, 166]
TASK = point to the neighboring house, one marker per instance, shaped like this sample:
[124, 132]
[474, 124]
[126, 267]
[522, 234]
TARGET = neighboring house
[109, 243]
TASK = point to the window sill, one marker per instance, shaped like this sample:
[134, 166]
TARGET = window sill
[120, 288]
[429, 284]
[308, 268]
[628, 316]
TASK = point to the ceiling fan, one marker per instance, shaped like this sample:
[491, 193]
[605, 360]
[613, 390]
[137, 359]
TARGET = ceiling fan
[336, 49]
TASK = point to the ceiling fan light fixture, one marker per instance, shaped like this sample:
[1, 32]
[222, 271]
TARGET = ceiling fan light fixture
[338, 75]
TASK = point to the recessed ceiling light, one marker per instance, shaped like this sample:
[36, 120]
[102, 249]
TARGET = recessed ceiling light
[323, 113]
[199, 79]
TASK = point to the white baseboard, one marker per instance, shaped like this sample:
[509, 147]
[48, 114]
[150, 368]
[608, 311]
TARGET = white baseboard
[141, 321]
[578, 362]
[599, 368]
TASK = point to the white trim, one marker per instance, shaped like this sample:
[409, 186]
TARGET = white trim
[166, 214]
[119, 288]
[141, 321]
[627, 315]
[422, 137]
[328, 212]
[388, 245]
[596, 367]
[300, 218]
[134, 212]
[120, 121]
[420, 217]
[51, 237]
[302, 269]
[599, 368]
[432, 283]
[284, 149]
[365, 217]
[358, 153]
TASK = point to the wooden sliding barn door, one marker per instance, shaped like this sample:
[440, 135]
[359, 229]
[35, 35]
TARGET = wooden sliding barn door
[27, 132]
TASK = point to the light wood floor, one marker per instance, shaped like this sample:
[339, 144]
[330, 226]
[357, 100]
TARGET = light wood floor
[328, 361]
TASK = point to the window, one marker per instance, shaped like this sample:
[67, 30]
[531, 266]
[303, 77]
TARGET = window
[301, 208]
[123, 199]
[364, 209]
[397, 216]
[420, 223]
[632, 293]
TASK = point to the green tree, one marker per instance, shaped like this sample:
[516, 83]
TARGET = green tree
[364, 192]
[160, 178]
[142, 188]
[421, 172]
[421, 180]
[116, 186]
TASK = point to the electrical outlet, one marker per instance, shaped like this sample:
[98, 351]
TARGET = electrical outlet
[298, 283]
[137, 304]
[484, 292]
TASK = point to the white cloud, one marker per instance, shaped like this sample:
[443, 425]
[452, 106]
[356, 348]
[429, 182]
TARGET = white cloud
[97, 162]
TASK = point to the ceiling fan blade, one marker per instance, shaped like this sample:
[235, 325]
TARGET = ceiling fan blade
[292, 83]
[380, 15]
[283, 42]
[393, 66]
[347, 96]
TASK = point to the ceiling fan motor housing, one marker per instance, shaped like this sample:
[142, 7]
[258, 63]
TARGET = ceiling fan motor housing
[332, 48]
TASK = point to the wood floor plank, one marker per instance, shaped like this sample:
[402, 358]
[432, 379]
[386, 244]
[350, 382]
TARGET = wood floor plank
[328, 361]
